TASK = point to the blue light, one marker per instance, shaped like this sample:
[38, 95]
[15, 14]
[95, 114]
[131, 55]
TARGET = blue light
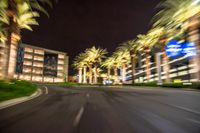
[189, 49]
[173, 49]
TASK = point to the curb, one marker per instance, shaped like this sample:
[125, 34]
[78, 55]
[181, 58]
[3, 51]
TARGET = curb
[16, 101]
[159, 88]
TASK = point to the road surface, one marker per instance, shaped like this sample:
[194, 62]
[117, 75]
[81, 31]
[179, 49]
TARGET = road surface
[105, 110]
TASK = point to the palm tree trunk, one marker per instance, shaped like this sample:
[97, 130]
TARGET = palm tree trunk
[133, 67]
[193, 36]
[13, 36]
[2, 60]
[124, 73]
[95, 74]
[80, 75]
[108, 72]
[11, 52]
[166, 67]
[7, 51]
[147, 63]
[115, 75]
[84, 74]
[90, 73]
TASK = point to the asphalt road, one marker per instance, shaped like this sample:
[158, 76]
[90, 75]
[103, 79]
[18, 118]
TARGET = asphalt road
[105, 110]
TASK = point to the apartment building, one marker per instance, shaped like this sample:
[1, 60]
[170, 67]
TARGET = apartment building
[41, 65]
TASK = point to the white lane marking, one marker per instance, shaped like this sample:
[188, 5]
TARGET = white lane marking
[78, 117]
[46, 90]
[88, 95]
[186, 109]
[194, 121]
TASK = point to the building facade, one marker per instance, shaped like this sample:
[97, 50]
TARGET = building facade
[41, 65]
[180, 69]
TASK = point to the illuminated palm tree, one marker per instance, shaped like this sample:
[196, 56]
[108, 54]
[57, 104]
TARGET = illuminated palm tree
[179, 17]
[109, 64]
[77, 65]
[2, 45]
[163, 36]
[98, 71]
[175, 13]
[116, 66]
[85, 72]
[2, 33]
[145, 43]
[80, 63]
[14, 16]
[131, 47]
[122, 55]
[22, 20]
[174, 18]
[143, 40]
[94, 57]
[167, 35]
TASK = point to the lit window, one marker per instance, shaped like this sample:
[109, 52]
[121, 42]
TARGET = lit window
[37, 51]
[30, 50]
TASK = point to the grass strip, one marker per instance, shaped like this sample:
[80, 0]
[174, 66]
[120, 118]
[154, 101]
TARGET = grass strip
[15, 89]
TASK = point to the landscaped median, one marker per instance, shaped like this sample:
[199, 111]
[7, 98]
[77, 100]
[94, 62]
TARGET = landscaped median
[195, 85]
[70, 84]
[16, 89]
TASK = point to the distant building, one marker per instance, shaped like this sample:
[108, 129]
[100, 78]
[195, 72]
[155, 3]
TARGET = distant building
[41, 65]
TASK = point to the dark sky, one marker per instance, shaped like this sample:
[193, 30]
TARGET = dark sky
[75, 25]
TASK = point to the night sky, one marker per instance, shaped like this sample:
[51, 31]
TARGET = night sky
[75, 25]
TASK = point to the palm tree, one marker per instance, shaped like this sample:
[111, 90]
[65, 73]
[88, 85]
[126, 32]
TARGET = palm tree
[163, 36]
[94, 58]
[80, 64]
[14, 16]
[175, 13]
[182, 16]
[145, 43]
[77, 65]
[98, 71]
[22, 20]
[2, 34]
[116, 66]
[143, 40]
[131, 47]
[123, 56]
[109, 64]
[2, 42]
[85, 73]
[2, 64]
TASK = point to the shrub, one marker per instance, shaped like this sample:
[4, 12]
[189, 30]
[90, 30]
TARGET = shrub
[196, 85]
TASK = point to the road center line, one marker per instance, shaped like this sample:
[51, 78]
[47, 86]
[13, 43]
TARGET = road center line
[78, 117]
[88, 95]
[46, 90]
